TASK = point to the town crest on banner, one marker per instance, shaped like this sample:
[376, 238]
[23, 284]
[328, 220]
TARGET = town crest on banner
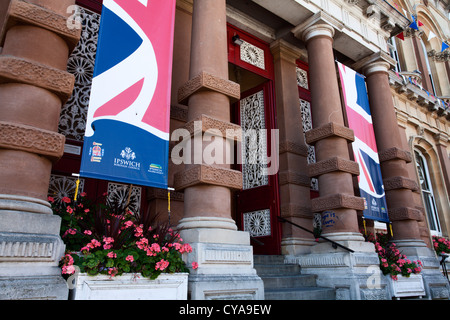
[364, 147]
[127, 129]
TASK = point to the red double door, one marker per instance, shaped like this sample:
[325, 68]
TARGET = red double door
[257, 204]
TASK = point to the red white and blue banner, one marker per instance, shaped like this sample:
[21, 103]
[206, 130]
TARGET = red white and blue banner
[127, 129]
[364, 147]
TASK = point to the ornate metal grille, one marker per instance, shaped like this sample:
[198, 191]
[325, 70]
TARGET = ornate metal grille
[302, 78]
[63, 186]
[305, 108]
[252, 54]
[257, 223]
[254, 141]
[120, 192]
[72, 122]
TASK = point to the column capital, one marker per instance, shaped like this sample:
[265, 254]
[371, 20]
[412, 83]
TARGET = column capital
[376, 62]
[283, 50]
[320, 24]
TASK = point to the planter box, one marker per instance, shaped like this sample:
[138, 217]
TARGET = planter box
[407, 287]
[130, 287]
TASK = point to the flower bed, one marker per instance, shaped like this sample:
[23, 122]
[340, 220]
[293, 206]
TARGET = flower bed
[106, 238]
[392, 261]
[441, 245]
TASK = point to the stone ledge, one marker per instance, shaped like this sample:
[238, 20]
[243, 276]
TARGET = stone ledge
[399, 183]
[292, 177]
[405, 213]
[25, 12]
[227, 129]
[14, 69]
[294, 210]
[25, 138]
[293, 147]
[206, 81]
[332, 165]
[395, 153]
[327, 131]
[207, 174]
[337, 201]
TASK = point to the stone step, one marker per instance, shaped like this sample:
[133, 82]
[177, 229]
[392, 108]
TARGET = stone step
[285, 281]
[280, 281]
[268, 259]
[276, 269]
[303, 293]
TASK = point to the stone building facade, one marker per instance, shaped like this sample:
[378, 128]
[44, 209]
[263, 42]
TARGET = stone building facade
[269, 66]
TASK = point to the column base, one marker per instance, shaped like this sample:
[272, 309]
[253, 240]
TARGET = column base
[225, 262]
[296, 246]
[30, 250]
[436, 285]
[354, 276]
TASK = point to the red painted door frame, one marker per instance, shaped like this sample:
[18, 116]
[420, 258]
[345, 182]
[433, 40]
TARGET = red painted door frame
[262, 197]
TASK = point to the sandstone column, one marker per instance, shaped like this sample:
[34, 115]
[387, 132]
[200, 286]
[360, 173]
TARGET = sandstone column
[346, 271]
[34, 83]
[333, 168]
[392, 152]
[294, 181]
[394, 157]
[224, 255]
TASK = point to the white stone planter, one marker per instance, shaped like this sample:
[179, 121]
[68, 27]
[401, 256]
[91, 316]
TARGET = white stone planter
[130, 286]
[407, 287]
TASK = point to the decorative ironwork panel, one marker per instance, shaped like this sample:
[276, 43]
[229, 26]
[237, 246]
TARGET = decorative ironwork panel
[63, 186]
[121, 192]
[257, 223]
[252, 54]
[305, 108]
[81, 63]
[254, 141]
[302, 78]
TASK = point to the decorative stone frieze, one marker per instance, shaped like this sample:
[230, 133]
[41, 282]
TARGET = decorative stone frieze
[227, 129]
[332, 165]
[329, 130]
[292, 210]
[404, 213]
[206, 174]
[394, 183]
[30, 139]
[292, 147]
[337, 201]
[178, 113]
[207, 81]
[14, 69]
[291, 177]
[24, 12]
[394, 153]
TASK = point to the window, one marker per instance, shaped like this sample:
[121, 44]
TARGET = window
[430, 75]
[392, 47]
[427, 193]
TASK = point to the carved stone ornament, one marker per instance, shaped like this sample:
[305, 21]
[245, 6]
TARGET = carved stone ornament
[31, 139]
[14, 69]
[329, 130]
[337, 201]
[207, 174]
[207, 81]
[24, 12]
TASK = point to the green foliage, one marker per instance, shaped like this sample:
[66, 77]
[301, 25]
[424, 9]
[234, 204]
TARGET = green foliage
[107, 238]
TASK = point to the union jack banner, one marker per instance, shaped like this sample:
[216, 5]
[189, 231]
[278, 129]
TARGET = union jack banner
[364, 147]
[127, 130]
